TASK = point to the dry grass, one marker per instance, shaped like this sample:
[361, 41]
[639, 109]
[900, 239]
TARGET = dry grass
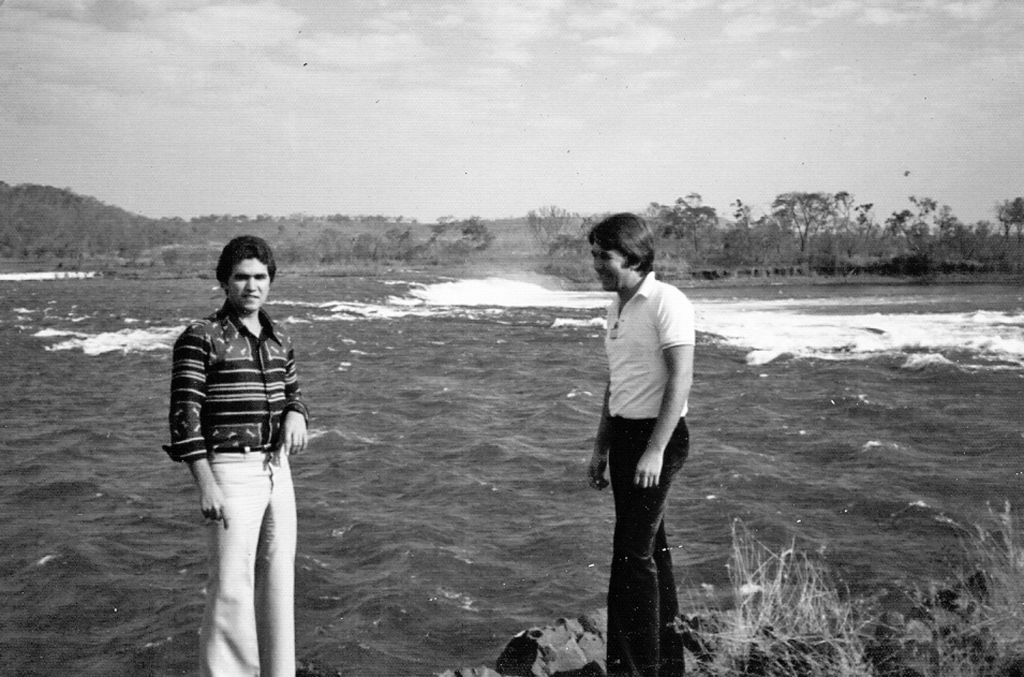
[978, 623]
[998, 553]
[786, 618]
[988, 604]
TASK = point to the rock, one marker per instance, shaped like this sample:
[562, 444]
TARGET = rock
[310, 669]
[1011, 666]
[595, 622]
[593, 647]
[470, 672]
[568, 648]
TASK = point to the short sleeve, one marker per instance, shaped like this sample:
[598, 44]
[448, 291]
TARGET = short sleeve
[675, 317]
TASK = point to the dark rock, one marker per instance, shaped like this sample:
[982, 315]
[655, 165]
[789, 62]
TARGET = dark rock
[568, 648]
[1011, 666]
[470, 672]
[596, 622]
[520, 657]
[310, 669]
[588, 670]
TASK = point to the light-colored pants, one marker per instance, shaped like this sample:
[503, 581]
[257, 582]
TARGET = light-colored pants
[249, 624]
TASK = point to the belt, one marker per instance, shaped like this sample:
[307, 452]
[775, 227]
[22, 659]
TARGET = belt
[240, 449]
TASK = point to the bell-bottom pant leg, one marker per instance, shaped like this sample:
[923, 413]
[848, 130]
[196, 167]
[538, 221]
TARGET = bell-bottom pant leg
[249, 624]
[642, 639]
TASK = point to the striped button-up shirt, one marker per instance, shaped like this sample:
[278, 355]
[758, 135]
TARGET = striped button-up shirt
[230, 389]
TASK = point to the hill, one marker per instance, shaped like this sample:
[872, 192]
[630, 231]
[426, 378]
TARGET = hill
[44, 226]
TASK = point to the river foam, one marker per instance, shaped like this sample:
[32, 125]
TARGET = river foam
[833, 328]
[46, 275]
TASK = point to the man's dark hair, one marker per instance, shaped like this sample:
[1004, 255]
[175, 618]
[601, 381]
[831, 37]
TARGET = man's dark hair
[629, 235]
[241, 248]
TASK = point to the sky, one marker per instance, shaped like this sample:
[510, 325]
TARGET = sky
[431, 108]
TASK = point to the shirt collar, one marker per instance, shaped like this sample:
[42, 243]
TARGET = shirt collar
[225, 316]
[644, 290]
[646, 285]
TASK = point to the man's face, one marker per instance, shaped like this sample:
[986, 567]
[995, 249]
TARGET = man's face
[248, 286]
[612, 269]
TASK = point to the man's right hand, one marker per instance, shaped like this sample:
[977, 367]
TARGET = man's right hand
[596, 471]
[211, 497]
[211, 502]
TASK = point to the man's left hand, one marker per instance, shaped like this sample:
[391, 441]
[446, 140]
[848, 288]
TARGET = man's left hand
[293, 433]
[648, 470]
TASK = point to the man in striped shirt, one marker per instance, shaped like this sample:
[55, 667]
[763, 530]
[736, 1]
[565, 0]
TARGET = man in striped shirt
[236, 415]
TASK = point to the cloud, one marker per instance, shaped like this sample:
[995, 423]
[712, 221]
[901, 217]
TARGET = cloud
[835, 10]
[781, 57]
[971, 11]
[506, 30]
[881, 16]
[671, 10]
[246, 26]
[750, 26]
[363, 50]
[634, 40]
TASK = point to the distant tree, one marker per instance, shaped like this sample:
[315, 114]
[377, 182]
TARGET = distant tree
[804, 213]
[901, 225]
[332, 246]
[548, 224]
[398, 244]
[690, 220]
[914, 229]
[737, 245]
[956, 240]
[854, 229]
[476, 234]
[773, 242]
[458, 239]
[1010, 213]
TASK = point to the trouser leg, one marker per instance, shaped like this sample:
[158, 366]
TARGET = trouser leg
[642, 604]
[670, 641]
[275, 578]
[228, 639]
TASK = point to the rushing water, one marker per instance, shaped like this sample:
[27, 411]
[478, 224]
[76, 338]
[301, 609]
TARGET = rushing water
[443, 504]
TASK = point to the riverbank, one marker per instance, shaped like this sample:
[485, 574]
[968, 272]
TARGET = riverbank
[522, 268]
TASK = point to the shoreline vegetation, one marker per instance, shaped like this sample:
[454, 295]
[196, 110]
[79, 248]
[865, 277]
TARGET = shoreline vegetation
[526, 270]
[805, 238]
[521, 268]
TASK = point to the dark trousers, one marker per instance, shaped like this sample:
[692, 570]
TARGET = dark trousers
[642, 606]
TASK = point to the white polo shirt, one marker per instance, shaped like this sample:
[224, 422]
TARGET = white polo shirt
[659, 316]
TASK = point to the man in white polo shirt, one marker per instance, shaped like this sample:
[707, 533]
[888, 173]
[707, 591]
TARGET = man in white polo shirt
[642, 441]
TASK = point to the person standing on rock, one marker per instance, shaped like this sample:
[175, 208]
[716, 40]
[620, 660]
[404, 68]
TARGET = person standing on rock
[642, 441]
[236, 415]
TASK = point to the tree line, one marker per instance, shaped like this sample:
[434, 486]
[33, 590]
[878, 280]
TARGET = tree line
[814, 232]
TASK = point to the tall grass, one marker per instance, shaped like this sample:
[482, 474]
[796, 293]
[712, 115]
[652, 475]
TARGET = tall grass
[977, 624]
[997, 553]
[786, 619]
[987, 603]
